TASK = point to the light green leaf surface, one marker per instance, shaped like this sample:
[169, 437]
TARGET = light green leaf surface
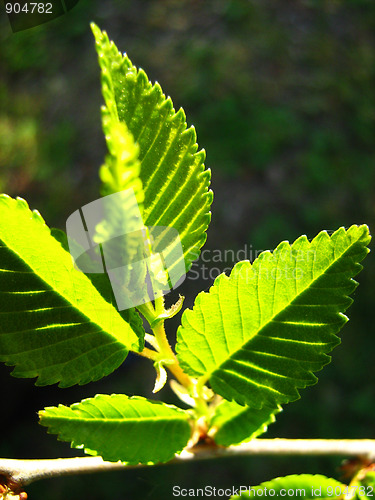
[54, 324]
[233, 423]
[258, 335]
[304, 486]
[173, 175]
[133, 430]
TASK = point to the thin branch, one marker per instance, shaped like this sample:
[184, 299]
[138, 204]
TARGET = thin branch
[340, 447]
[19, 473]
[24, 472]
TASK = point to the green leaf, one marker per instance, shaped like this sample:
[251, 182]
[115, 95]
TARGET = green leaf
[258, 335]
[173, 175]
[54, 324]
[133, 430]
[233, 423]
[305, 486]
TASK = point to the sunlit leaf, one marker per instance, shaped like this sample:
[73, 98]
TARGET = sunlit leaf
[259, 335]
[133, 430]
[175, 182]
[54, 324]
[233, 423]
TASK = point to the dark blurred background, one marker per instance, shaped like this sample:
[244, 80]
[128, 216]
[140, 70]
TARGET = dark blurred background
[282, 97]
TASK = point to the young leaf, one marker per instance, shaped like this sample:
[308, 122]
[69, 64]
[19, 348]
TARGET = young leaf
[122, 167]
[122, 214]
[122, 224]
[133, 430]
[173, 175]
[258, 335]
[233, 423]
[305, 486]
[54, 324]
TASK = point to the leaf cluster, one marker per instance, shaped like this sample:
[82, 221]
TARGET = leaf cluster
[245, 349]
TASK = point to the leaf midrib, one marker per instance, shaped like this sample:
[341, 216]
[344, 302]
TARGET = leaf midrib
[123, 420]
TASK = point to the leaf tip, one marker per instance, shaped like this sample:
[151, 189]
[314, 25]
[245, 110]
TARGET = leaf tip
[21, 202]
[97, 32]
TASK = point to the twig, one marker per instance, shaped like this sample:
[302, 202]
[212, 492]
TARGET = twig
[19, 473]
[341, 447]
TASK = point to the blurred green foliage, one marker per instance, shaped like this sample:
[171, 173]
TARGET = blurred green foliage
[282, 97]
